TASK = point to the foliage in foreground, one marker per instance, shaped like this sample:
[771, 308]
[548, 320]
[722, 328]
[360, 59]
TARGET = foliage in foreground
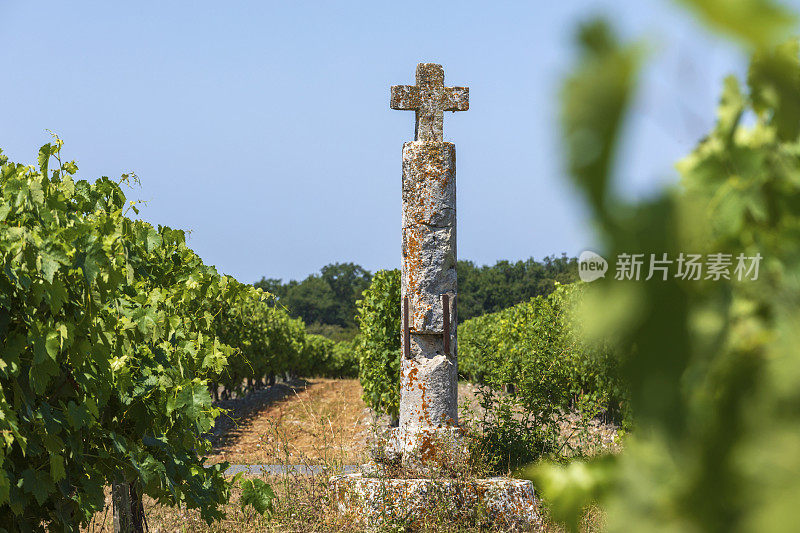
[108, 341]
[712, 366]
[111, 332]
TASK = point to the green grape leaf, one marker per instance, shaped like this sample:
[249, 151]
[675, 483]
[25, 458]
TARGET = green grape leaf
[57, 472]
[90, 262]
[70, 167]
[52, 443]
[730, 109]
[57, 295]
[41, 374]
[14, 345]
[36, 483]
[53, 344]
[46, 346]
[153, 240]
[77, 415]
[5, 487]
[193, 400]
[258, 495]
[44, 157]
[49, 266]
[570, 489]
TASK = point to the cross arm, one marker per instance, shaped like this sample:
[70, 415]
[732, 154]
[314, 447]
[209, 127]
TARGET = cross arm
[404, 97]
[456, 99]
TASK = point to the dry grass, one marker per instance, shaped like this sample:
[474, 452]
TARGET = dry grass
[301, 507]
[319, 422]
[322, 422]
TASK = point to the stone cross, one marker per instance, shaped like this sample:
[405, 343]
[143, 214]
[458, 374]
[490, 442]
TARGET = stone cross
[429, 377]
[429, 98]
[428, 442]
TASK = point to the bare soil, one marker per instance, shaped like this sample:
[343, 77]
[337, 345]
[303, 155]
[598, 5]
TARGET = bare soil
[298, 422]
[324, 421]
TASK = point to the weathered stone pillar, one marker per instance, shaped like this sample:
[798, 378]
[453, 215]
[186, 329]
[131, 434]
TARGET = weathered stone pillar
[428, 379]
[428, 439]
[429, 369]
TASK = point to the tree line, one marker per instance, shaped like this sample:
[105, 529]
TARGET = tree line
[326, 301]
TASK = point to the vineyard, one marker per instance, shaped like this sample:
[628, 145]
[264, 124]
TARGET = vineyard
[138, 383]
[113, 334]
[532, 351]
[119, 341]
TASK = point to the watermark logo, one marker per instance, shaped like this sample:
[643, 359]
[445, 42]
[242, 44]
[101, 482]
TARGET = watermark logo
[591, 266]
[686, 266]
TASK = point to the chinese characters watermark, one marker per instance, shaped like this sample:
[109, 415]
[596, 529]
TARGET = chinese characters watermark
[635, 267]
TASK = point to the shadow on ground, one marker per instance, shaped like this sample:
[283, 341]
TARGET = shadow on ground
[242, 410]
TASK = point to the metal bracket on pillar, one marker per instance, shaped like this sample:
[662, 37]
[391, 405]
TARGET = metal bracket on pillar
[446, 320]
[406, 331]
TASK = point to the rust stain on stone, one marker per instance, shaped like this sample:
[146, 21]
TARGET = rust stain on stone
[428, 399]
[509, 503]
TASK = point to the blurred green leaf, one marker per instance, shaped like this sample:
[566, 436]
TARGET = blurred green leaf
[774, 80]
[570, 489]
[711, 364]
[757, 23]
[594, 100]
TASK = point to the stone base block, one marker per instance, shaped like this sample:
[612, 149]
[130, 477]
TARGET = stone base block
[373, 501]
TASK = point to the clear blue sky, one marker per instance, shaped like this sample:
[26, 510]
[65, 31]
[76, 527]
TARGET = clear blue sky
[265, 128]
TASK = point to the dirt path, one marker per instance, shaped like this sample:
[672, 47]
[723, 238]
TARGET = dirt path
[325, 422]
[319, 421]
